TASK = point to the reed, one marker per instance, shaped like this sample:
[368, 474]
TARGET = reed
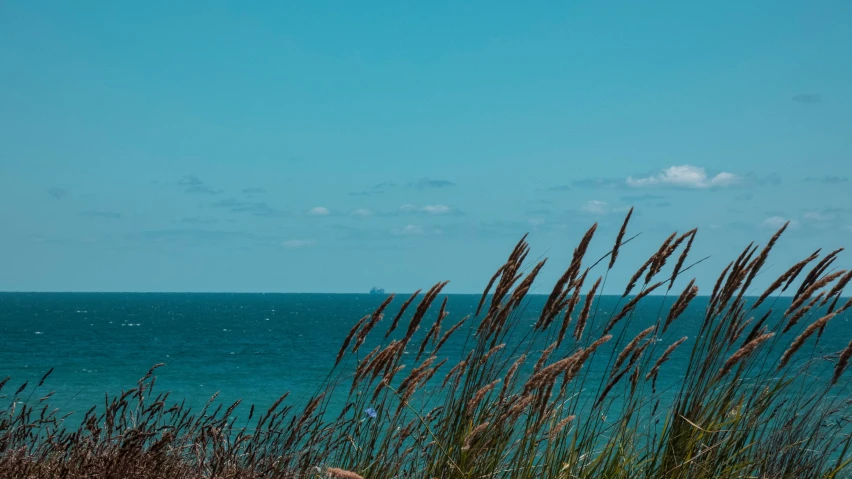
[744, 351]
[338, 473]
[735, 405]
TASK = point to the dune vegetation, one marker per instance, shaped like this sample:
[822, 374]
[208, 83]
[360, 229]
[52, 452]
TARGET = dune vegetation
[753, 399]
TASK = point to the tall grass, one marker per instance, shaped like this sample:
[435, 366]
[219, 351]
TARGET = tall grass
[751, 400]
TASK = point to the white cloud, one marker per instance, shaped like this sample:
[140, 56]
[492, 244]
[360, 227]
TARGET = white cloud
[430, 209]
[817, 216]
[436, 209]
[684, 176]
[408, 230]
[595, 207]
[536, 221]
[296, 243]
[362, 212]
[776, 222]
[319, 211]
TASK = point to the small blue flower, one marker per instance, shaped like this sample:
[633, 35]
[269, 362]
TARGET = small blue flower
[371, 412]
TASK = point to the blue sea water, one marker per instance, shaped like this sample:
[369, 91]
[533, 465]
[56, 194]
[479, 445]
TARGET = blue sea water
[249, 346]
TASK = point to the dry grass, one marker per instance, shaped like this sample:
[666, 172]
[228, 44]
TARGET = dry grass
[738, 409]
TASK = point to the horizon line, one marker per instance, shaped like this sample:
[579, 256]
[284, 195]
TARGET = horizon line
[674, 296]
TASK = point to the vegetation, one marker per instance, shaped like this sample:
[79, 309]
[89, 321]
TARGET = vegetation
[752, 399]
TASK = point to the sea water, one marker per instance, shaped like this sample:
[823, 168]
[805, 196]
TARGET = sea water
[253, 347]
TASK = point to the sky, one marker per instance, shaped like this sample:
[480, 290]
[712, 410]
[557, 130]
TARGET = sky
[320, 146]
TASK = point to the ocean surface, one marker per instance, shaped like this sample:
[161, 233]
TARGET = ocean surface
[249, 346]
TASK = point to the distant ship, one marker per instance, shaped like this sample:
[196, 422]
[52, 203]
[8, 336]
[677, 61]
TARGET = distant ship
[375, 290]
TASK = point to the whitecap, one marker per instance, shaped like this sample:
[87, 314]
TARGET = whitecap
[39, 332]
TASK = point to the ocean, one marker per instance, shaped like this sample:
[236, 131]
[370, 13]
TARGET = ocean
[249, 346]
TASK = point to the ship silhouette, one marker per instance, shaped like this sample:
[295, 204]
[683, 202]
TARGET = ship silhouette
[376, 290]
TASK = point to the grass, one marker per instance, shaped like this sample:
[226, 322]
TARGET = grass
[753, 400]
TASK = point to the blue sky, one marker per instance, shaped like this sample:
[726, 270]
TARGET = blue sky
[334, 146]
